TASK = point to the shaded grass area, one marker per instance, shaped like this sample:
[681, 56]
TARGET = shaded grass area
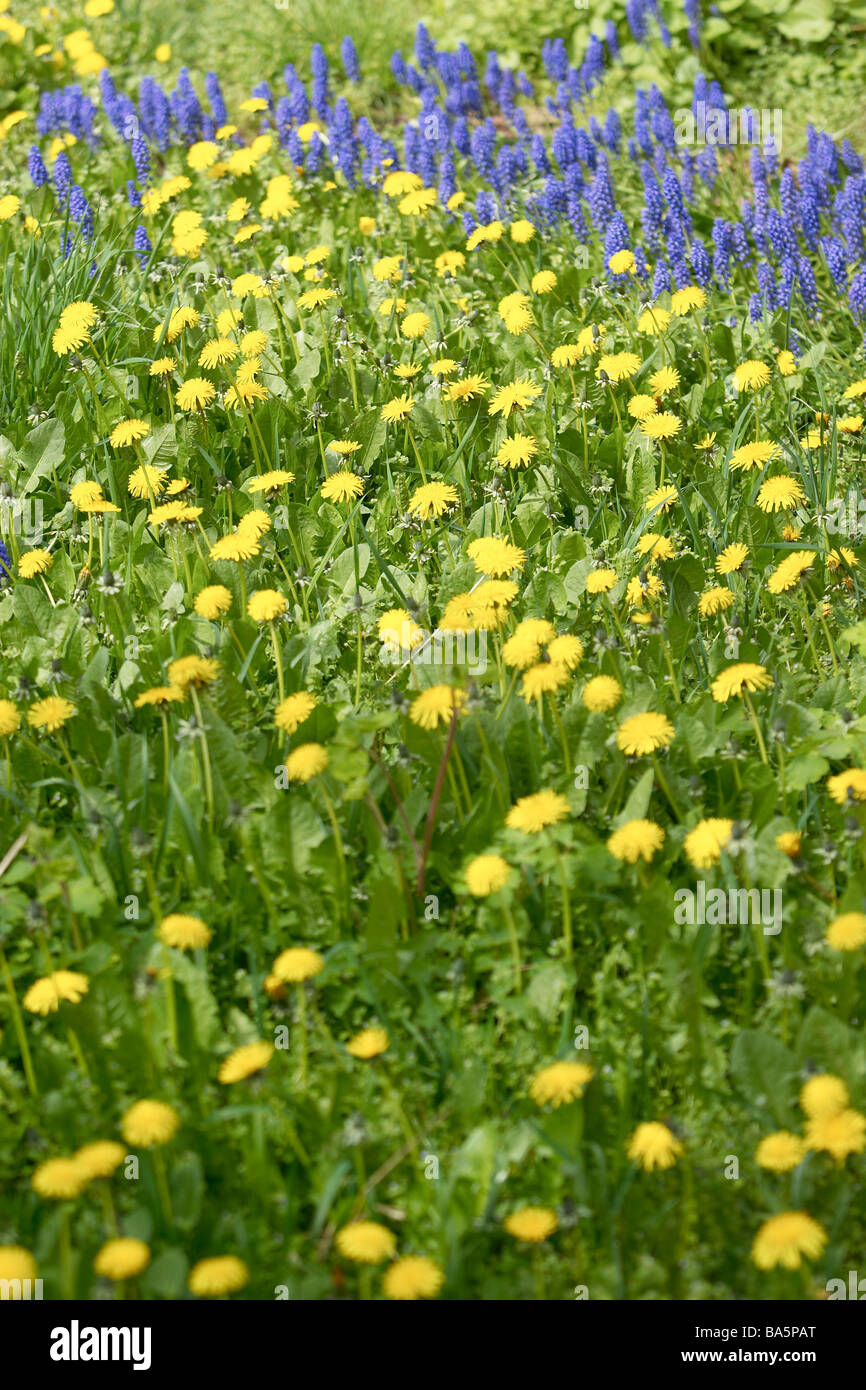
[812, 83]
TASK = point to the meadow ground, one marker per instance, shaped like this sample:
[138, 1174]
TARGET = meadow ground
[433, 682]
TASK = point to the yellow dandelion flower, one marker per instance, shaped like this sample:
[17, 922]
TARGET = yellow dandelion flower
[791, 570]
[195, 671]
[847, 932]
[731, 558]
[753, 455]
[467, 389]
[600, 581]
[824, 1094]
[297, 964]
[159, 695]
[269, 482]
[127, 432]
[149, 1122]
[715, 600]
[636, 839]
[845, 787]
[411, 1278]
[369, 1043]
[266, 605]
[786, 1238]
[840, 1134]
[664, 380]
[780, 494]
[655, 546]
[560, 1083]
[531, 814]
[202, 154]
[417, 203]
[195, 394]
[61, 986]
[640, 408]
[532, 1225]
[122, 1258]
[184, 932]
[219, 1275]
[432, 499]
[521, 231]
[745, 675]
[494, 556]
[16, 1263]
[686, 300]
[486, 874]
[518, 451]
[51, 713]
[212, 602]
[436, 705]
[543, 282]
[790, 842]
[543, 679]
[34, 562]
[306, 761]
[342, 487]
[59, 1178]
[366, 1242]
[449, 262]
[751, 375]
[398, 409]
[780, 1152]
[653, 320]
[704, 844]
[622, 263]
[643, 734]
[654, 1145]
[415, 325]
[293, 710]
[618, 366]
[146, 480]
[245, 1061]
[489, 232]
[10, 718]
[519, 395]
[601, 694]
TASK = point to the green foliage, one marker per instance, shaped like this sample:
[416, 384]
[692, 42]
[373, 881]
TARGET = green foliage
[361, 829]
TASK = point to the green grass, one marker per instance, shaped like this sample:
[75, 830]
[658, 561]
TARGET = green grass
[121, 812]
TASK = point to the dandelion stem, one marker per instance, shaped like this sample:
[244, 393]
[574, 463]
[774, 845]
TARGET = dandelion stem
[64, 1246]
[830, 645]
[566, 751]
[338, 842]
[762, 747]
[660, 778]
[411, 436]
[302, 1030]
[514, 941]
[278, 661]
[75, 1049]
[615, 406]
[162, 1187]
[567, 938]
[18, 1024]
[205, 754]
[170, 1002]
[166, 751]
[810, 635]
[434, 804]
[706, 347]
